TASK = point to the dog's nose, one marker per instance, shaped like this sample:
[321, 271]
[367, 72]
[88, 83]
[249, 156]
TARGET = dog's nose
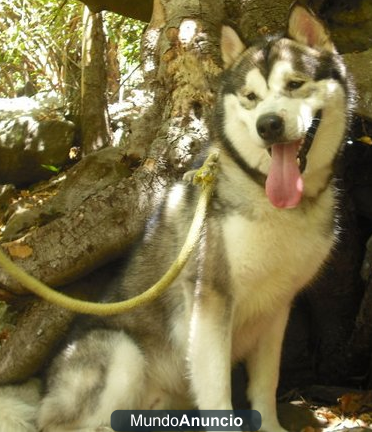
[270, 127]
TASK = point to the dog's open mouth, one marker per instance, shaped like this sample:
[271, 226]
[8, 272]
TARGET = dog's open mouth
[308, 141]
[284, 183]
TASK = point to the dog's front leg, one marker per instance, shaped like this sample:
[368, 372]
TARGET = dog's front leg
[263, 369]
[210, 350]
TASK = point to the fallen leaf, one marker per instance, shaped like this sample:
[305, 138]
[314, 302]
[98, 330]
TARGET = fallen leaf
[4, 335]
[351, 403]
[365, 140]
[17, 250]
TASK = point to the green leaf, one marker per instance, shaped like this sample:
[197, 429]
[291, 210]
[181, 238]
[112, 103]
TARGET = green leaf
[52, 168]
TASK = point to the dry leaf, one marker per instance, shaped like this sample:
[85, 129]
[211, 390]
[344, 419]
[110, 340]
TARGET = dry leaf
[17, 250]
[365, 140]
[351, 403]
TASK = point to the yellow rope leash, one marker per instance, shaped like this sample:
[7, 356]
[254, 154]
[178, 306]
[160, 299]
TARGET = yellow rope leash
[204, 176]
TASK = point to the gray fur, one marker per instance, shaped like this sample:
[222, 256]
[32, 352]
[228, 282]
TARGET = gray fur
[232, 301]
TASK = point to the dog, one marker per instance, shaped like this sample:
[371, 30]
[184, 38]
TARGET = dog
[280, 119]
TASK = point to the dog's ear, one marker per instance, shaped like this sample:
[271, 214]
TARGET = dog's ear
[305, 28]
[231, 45]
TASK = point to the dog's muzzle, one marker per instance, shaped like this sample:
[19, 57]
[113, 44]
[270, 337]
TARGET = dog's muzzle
[270, 127]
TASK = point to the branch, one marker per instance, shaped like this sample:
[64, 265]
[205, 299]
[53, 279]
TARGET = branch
[90, 235]
[138, 9]
[23, 354]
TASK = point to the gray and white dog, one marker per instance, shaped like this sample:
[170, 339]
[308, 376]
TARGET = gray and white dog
[280, 121]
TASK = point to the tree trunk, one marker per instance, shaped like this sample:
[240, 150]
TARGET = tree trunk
[95, 127]
[113, 72]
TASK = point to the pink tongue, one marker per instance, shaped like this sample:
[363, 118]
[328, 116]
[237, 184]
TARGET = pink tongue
[284, 184]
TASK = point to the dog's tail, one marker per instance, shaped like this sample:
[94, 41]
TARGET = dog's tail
[19, 406]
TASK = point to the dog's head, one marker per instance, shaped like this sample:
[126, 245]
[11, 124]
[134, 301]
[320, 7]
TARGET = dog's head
[282, 108]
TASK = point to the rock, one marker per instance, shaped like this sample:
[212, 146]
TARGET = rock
[28, 89]
[123, 114]
[360, 65]
[35, 139]
[350, 23]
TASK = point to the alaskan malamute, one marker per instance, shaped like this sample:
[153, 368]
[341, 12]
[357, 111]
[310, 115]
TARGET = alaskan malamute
[280, 120]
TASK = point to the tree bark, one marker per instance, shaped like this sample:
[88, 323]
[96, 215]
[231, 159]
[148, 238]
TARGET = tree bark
[37, 333]
[113, 72]
[95, 126]
[91, 234]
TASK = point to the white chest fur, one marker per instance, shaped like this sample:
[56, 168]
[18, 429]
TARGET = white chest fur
[273, 255]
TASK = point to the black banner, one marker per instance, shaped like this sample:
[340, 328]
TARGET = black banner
[189, 420]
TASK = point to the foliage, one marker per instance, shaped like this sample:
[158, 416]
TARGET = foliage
[39, 39]
[126, 33]
[41, 45]
[124, 37]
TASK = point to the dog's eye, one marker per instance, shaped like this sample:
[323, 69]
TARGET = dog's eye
[294, 85]
[252, 96]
